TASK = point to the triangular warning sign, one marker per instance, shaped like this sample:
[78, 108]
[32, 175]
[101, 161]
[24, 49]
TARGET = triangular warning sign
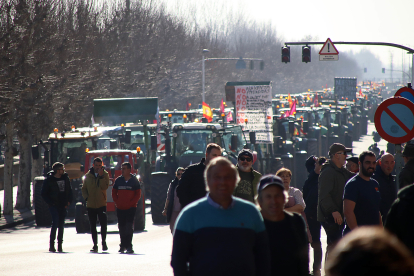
[328, 48]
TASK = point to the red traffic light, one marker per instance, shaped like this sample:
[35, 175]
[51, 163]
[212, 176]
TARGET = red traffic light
[286, 54]
[306, 54]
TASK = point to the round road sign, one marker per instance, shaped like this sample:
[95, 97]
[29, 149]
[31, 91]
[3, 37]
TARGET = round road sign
[394, 120]
[406, 92]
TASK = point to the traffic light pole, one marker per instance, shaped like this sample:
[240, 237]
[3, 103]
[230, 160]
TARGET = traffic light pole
[409, 50]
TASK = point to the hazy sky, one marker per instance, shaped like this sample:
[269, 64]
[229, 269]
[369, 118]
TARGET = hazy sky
[350, 20]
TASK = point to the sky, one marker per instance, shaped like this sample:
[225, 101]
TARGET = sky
[350, 20]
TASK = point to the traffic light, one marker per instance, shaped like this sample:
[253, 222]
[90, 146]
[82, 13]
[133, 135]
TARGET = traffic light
[286, 54]
[365, 70]
[383, 70]
[306, 54]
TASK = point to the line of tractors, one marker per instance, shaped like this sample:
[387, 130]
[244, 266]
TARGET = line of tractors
[126, 131]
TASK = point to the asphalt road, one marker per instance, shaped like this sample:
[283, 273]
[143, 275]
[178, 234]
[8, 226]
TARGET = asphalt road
[24, 251]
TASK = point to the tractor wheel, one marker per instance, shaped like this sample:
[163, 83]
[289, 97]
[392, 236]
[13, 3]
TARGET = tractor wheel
[42, 213]
[139, 223]
[159, 186]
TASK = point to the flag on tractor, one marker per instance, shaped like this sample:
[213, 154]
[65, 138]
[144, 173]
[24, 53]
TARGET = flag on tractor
[315, 101]
[360, 93]
[222, 106]
[293, 109]
[289, 100]
[229, 117]
[207, 112]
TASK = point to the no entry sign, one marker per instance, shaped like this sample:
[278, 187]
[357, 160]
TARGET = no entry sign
[406, 92]
[394, 120]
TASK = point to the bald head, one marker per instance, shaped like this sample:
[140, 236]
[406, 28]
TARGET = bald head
[387, 163]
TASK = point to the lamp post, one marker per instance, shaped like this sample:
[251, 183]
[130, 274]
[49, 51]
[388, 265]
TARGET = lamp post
[241, 64]
[204, 71]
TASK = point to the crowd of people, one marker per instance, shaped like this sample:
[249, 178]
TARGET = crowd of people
[230, 220]
[233, 221]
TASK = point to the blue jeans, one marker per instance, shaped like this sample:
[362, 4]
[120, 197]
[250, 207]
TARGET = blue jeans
[58, 222]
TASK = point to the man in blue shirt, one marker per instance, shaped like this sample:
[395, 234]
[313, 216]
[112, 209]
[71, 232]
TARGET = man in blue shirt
[220, 234]
[361, 195]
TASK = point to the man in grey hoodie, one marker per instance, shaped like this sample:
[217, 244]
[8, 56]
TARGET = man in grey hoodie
[332, 180]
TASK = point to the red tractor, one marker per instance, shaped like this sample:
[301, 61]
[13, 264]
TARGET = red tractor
[112, 160]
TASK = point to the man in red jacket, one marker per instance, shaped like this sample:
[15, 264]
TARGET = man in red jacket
[126, 193]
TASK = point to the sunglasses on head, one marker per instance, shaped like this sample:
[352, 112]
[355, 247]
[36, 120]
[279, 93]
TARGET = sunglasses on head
[245, 159]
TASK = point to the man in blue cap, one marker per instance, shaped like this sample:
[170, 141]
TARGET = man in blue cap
[288, 239]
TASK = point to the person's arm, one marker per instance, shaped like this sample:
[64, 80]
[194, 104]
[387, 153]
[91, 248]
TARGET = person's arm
[300, 205]
[45, 192]
[303, 247]
[137, 192]
[349, 214]
[182, 245]
[85, 193]
[167, 201]
[326, 183]
[104, 181]
[184, 188]
[115, 192]
[70, 194]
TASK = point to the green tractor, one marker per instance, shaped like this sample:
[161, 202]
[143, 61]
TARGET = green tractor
[185, 144]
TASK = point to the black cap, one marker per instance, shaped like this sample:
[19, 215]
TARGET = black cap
[408, 150]
[245, 152]
[353, 159]
[269, 179]
[310, 164]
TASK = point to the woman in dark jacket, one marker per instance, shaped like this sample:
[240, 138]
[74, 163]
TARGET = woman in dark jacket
[172, 204]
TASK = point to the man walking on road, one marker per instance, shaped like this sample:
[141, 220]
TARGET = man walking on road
[220, 234]
[310, 195]
[406, 176]
[94, 192]
[191, 185]
[286, 231]
[57, 192]
[332, 181]
[387, 185]
[362, 196]
[126, 193]
[247, 187]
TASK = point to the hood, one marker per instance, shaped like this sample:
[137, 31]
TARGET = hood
[407, 193]
[310, 164]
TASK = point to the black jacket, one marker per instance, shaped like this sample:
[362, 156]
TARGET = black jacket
[51, 192]
[170, 206]
[310, 194]
[400, 217]
[191, 186]
[388, 191]
[406, 176]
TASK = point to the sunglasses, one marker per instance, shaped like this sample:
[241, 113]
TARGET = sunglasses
[245, 159]
[179, 174]
[344, 153]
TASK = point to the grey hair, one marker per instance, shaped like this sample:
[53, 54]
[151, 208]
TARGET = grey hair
[220, 161]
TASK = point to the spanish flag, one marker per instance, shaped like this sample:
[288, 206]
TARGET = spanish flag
[207, 112]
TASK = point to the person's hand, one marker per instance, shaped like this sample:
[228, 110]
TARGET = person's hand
[164, 213]
[100, 171]
[337, 217]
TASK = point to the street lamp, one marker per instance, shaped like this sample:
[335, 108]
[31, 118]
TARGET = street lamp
[203, 69]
